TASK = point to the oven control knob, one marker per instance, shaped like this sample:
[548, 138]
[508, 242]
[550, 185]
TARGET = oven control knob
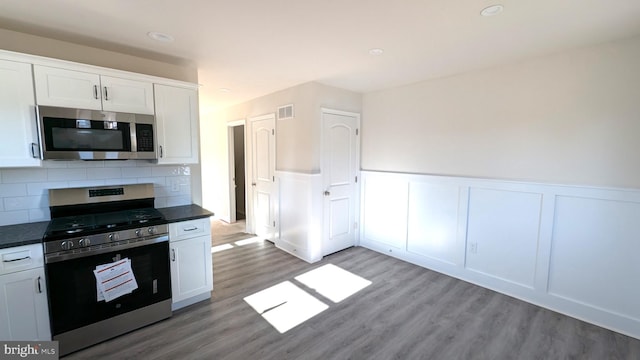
[152, 230]
[139, 233]
[67, 245]
[84, 242]
[113, 237]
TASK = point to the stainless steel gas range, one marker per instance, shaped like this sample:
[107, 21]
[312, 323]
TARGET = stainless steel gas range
[107, 263]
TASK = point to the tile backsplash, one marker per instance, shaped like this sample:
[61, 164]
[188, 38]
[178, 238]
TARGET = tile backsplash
[24, 195]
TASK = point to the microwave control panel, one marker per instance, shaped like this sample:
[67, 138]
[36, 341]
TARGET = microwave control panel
[144, 137]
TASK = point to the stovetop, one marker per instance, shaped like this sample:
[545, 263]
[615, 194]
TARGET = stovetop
[88, 224]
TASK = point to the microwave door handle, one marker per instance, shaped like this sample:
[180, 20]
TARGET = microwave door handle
[35, 151]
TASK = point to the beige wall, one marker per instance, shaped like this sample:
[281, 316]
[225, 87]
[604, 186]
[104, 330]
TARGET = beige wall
[568, 118]
[298, 139]
[36, 45]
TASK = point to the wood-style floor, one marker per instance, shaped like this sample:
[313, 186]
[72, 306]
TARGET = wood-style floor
[408, 312]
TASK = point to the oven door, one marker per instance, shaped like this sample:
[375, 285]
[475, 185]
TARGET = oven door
[73, 295]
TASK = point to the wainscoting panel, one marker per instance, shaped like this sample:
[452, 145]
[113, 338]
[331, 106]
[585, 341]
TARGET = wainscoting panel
[502, 234]
[595, 254]
[572, 249]
[432, 221]
[300, 215]
[385, 203]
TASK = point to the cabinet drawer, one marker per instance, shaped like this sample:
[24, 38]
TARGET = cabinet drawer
[189, 229]
[20, 258]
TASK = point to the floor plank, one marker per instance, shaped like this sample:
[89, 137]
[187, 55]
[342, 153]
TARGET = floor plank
[408, 312]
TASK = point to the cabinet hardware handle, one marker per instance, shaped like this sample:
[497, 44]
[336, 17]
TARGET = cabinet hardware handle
[190, 229]
[39, 286]
[35, 151]
[160, 151]
[106, 94]
[95, 92]
[173, 254]
[19, 259]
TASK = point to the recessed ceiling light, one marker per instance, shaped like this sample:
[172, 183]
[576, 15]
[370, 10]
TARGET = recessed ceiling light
[224, 90]
[492, 10]
[376, 51]
[158, 36]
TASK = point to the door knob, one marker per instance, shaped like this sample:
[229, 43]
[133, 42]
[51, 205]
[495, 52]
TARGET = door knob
[327, 193]
[253, 184]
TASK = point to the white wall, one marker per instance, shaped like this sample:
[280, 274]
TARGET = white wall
[570, 118]
[300, 215]
[568, 248]
[522, 178]
[24, 196]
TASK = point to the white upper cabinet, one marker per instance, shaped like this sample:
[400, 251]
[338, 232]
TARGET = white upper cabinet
[67, 88]
[77, 89]
[177, 124]
[19, 136]
[126, 95]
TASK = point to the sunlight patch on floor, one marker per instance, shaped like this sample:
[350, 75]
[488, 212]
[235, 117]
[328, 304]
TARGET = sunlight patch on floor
[253, 240]
[333, 282]
[285, 305]
[215, 249]
[249, 241]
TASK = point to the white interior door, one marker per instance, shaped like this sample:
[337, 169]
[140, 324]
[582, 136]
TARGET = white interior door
[263, 141]
[340, 166]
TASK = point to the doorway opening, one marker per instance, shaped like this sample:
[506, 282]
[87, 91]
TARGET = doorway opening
[237, 172]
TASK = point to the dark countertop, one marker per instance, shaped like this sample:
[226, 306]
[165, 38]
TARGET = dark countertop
[22, 234]
[32, 233]
[185, 212]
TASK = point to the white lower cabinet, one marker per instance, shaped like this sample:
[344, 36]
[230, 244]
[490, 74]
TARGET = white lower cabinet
[24, 312]
[191, 265]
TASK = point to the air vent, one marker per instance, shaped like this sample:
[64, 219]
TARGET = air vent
[285, 112]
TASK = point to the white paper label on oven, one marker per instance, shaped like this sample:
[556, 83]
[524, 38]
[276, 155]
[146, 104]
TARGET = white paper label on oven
[114, 280]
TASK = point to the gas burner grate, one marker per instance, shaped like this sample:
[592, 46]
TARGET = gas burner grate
[83, 225]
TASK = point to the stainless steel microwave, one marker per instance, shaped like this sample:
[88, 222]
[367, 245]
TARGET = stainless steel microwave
[80, 134]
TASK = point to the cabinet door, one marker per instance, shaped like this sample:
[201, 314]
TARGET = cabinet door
[24, 314]
[67, 88]
[19, 135]
[191, 268]
[177, 122]
[126, 95]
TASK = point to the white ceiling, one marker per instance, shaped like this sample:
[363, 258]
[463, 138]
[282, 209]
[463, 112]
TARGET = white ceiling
[255, 47]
